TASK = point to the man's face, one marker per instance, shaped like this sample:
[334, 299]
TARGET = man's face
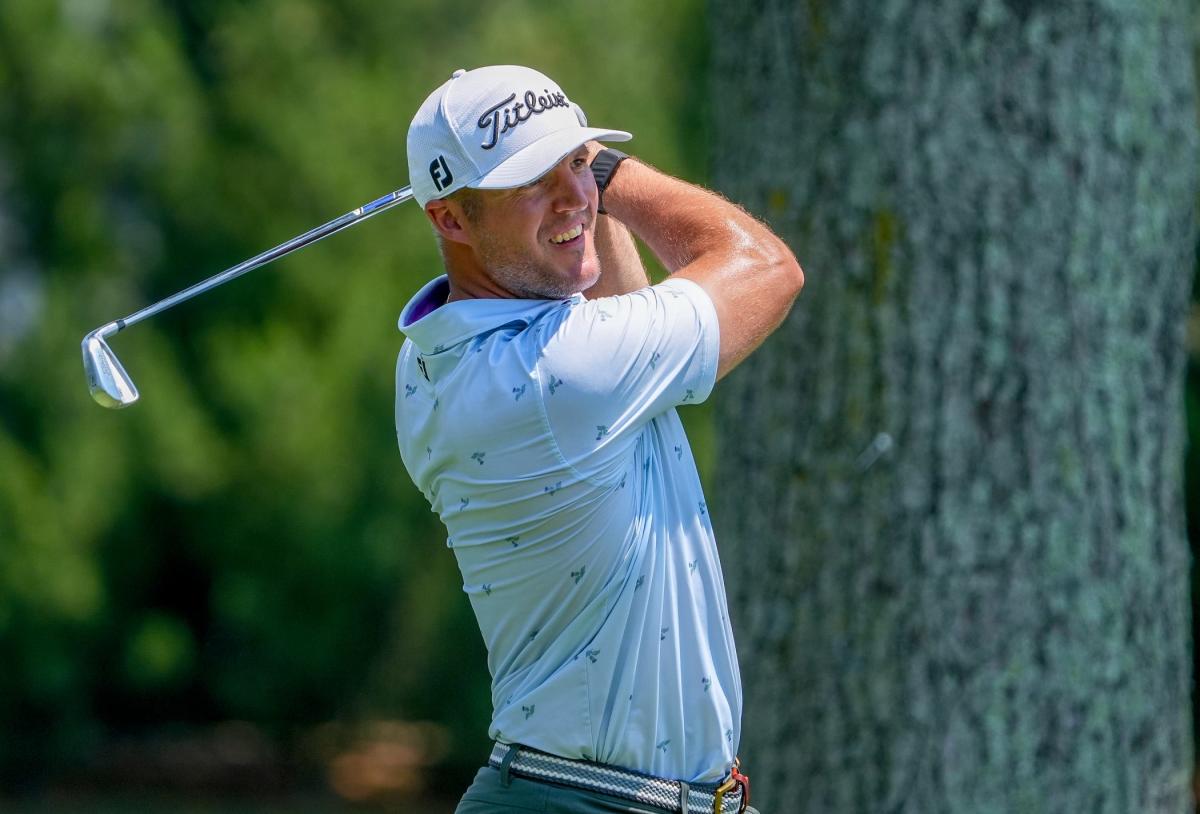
[536, 241]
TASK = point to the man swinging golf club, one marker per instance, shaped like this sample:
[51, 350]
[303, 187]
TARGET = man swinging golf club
[535, 408]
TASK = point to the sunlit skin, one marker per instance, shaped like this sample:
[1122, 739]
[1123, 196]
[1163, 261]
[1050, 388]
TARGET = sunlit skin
[506, 249]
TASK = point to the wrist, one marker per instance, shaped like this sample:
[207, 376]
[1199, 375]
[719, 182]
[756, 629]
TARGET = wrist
[604, 167]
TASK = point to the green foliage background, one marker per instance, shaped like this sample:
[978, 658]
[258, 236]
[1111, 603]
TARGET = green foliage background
[244, 543]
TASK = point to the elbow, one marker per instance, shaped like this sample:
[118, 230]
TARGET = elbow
[787, 268]
[796, 275]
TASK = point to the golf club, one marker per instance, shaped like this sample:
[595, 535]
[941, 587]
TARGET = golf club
[108, 382]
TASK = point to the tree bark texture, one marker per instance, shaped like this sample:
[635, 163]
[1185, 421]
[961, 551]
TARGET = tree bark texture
[949, 489]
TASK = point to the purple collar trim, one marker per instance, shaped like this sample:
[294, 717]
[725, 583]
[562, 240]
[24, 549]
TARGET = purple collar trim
[428, 301]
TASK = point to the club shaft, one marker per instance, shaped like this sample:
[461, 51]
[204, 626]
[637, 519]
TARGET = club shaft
[312, 236]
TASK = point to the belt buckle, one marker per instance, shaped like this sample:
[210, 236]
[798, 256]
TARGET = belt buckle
[719, 794]
[736, 780]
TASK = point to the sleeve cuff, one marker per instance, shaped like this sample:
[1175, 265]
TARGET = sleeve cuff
[710, 331]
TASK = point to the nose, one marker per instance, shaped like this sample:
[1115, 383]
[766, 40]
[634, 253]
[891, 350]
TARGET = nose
[572, 190]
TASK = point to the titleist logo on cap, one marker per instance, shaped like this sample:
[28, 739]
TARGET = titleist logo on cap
[516, 114]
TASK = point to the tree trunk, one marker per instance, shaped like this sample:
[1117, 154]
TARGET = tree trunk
[950, 488]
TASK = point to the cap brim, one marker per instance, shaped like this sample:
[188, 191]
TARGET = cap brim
[532, 162]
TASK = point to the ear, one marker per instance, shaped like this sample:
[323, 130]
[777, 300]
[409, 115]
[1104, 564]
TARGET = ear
[447, 218]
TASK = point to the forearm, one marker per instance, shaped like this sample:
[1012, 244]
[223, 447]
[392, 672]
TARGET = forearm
[681, 222]
[749, 273]
[621, 268]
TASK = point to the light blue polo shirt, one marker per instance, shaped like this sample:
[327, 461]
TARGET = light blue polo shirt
[545, 436]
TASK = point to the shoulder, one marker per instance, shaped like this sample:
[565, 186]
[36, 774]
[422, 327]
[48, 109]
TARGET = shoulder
[655, 307]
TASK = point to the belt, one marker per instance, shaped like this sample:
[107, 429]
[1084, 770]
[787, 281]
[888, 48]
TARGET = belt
[729, 797]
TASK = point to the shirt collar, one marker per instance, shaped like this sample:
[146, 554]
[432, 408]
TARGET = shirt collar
[435, 325]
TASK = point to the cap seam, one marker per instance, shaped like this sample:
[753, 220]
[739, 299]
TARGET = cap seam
[454, 129]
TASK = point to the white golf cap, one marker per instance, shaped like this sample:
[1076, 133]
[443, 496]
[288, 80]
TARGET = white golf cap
[494, 128]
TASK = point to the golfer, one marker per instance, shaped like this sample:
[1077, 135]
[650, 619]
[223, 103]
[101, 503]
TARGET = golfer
[535, 408]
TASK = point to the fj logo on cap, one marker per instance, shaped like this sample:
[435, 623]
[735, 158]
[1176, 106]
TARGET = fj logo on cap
[440, 173]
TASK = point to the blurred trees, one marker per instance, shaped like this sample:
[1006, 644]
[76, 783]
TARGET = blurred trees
[952, 486]
[244, 543]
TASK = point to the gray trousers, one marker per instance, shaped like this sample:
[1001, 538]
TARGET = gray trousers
[489, 794]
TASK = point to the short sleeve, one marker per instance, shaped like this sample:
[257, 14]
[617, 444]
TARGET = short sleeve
[614, 363]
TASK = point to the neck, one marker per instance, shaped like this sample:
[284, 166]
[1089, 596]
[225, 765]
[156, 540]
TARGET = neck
[468, 278]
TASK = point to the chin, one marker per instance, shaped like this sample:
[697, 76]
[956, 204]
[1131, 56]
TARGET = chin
[566, 282]
[589, 275]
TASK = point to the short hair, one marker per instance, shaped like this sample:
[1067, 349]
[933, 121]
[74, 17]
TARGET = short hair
[472, 206]
[471, 202]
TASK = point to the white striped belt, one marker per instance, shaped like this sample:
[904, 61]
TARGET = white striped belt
[624, 783]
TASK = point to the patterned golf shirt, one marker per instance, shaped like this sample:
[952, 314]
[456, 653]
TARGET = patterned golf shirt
[545, 436]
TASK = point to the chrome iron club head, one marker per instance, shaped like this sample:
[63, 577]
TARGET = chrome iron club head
[107, 379]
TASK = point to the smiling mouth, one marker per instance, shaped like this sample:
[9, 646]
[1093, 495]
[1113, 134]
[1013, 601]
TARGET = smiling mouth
[568, 236]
